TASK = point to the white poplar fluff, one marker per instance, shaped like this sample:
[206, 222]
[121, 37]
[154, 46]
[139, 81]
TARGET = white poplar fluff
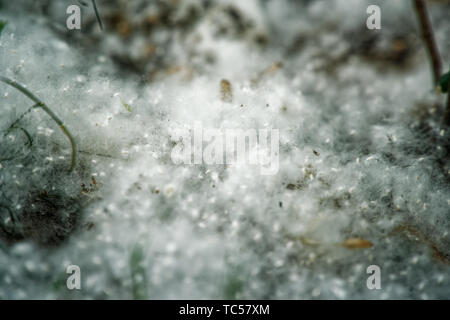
[363, 175]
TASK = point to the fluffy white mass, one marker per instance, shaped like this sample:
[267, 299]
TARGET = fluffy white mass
[362, 153]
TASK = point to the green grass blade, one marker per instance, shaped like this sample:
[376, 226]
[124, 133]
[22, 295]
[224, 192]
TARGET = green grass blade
[27, 134]
[138, 273]
[2, 26]
[445, 82]
[42, 105]
[97, 14]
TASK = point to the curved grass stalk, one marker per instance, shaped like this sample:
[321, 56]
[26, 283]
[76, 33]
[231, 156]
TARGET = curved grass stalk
[14, 125]
[39, 103]
[27, 134]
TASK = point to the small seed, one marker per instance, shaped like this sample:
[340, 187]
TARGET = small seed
[357, 243]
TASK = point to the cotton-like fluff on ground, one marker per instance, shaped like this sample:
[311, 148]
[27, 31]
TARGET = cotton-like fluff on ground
[363, 175]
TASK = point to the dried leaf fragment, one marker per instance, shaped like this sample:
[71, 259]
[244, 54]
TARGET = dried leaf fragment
[226, 91]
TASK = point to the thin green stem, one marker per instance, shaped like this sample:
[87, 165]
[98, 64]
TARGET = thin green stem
[429, 39]
[27, 134]
[14, 124]
[39, 103]
[97, 14]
